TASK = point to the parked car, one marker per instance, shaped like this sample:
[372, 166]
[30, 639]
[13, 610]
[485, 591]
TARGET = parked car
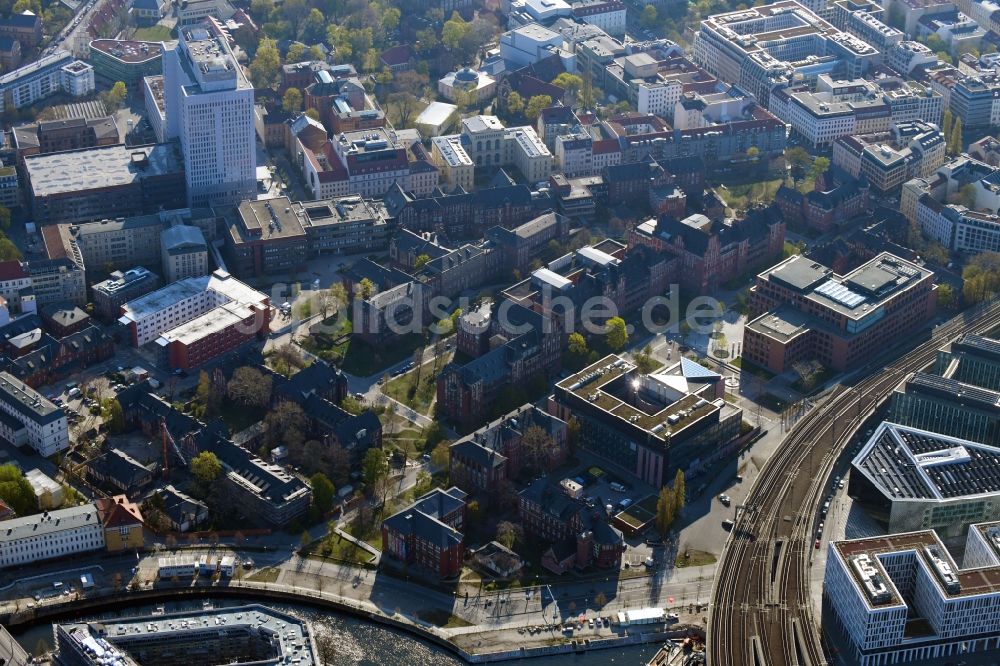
[725, 499]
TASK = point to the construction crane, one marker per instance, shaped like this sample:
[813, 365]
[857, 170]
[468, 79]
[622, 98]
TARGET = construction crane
[166, 437]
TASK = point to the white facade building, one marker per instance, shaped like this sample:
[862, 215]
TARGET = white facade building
[608, 15]
[56, 72]
[526, 150]
[874, 586]
[52, 534]
[210, 107]
[150, 316]
[184, 252]
[457, 168]
[529, 44]
[47, 430]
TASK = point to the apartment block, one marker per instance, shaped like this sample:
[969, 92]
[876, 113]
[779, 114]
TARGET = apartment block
[196, 319]
[33, 419]
[53, 534]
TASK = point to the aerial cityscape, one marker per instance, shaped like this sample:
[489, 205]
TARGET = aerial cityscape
[569, 332]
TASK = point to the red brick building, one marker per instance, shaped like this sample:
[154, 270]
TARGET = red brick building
[480, 462]
[802, 311]
[834, 199]
[712, 252]
[428, 533]
[580, 536]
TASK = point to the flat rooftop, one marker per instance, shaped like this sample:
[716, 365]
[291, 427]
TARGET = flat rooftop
[854, 295]
[269, 219]
[451, 150]
[27, 401]
[289, 638]
[127, 50]
[213, 321]
[615, 386]
[345, 210]
[223, 284]
[94, 168]
[969, 582]
[782, 324]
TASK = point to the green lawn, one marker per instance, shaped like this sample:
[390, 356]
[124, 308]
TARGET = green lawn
[401, 388]
[363, 360]
[336, 547]
[693, 558]
[155, 33]
[238, 417]
[740, 196]
[268, 575]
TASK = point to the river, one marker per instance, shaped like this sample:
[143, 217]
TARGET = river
[360, 643]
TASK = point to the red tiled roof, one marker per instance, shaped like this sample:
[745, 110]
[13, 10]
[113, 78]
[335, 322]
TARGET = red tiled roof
[397, 55]
[11, 270]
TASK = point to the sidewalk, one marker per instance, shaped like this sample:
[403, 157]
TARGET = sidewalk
[364, 545]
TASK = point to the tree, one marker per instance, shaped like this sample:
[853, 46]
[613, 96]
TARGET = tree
[537, 446]
[313, 30]
[509, 533]
[390, 18]
[956, 145]
[312, 113]
[644, 361]
[261, 9]
[679, 491]
[587, 91]
[374, 467]
[323, 491]
[352, 405]
[535, 106]
[266, 64]
[206, 467]
[113, 415]
[8, 251]
[797, 158]
[291, 102]
[403, 108]
[570, 82]
[946, 125]
[116, 96]
[616, 333]
[286, 424]
[366, 289]
[981, 277]
[945, 295]
[296, 52]
[964, 196]
[286, 357]
[820, 166]
[420, 261]
[577, 345]
[753, 152]
[649, 17]
[338, 294]
[207, 398]
[515, 104]
[440, 454]
[453, 31]
[16, 492]
[664, 510]
[249, 387]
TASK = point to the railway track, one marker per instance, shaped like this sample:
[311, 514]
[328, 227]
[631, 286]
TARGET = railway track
[760, 614]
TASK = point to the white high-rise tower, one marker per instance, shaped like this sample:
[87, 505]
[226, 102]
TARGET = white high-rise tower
[210, 108]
